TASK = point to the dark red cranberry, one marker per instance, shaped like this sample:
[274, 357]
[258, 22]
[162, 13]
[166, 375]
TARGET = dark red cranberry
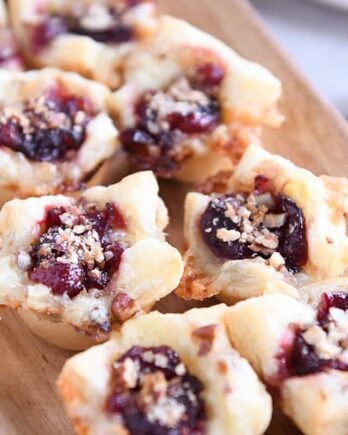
[47, 143]
[201, 121]
[115, 35]
[302, 359]
[109, 217]
[213, 219]
[329, 300]
[60, 277]
[161, 152]
[50, 266]
[185, 389]
[209, 75]
[291, 235]
[113, 264]
[55, 25]
[149, 152]
[44, 33]
[136, 141]
[263, 185]
[52, 218]
[293, 244]
[11, 135]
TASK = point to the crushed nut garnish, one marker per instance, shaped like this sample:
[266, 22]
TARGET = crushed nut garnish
[331, 340]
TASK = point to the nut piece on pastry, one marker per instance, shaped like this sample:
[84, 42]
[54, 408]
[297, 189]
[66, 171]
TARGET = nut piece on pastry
[301, 351]
[275, 225]
[91, 37]
[10, 56]
[54, 132]
[166, 374]
[190, 104]
[91, 262]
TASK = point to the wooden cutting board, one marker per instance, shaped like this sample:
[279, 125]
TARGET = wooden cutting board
[314, 135]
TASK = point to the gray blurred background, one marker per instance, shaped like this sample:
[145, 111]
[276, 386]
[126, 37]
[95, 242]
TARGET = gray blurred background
[316, 36]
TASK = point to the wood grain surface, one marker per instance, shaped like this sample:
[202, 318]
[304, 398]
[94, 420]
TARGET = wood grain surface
[314, 135]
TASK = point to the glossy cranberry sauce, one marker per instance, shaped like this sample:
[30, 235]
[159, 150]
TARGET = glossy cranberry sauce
[50, 128]
[78, 249]
[239, 226]
[155, 394]
[322, 346]
[101, 23]
[165, 119]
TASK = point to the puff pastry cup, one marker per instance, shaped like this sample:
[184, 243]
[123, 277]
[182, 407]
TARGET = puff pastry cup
[10, 56]
[190, 103]
[301, 351]
[272, 225]
[77, 267]
[166, 373]
[55, 132]
[91, 37]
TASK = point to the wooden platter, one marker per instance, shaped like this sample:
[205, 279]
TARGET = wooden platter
[314, 135]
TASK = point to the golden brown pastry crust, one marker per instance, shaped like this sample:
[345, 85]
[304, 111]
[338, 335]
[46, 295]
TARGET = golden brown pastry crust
[323, 201]
[260, 326]
[236, 401]
[150, 268]
[21, 177]
[248, 94]
[80, 53]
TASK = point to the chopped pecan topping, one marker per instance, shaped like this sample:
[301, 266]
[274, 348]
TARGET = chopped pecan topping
[259, 224]
[323, 345]
[153, 392]
[166, 118]
[78, 249]
[109, 25]
[123, 307]
[49, 128]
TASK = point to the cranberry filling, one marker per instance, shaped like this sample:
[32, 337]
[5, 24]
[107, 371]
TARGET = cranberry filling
[164, 119]
[102, 24]
[78, 249]
[328, 300]
[155, 394]
[236, 227]
[324, 345]
[50, 128]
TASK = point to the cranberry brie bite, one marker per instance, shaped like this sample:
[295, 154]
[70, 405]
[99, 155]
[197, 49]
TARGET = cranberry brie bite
[10, 56]
[166, 374]
[190, 104]
[300, 351]
[54, 132]
[275, 224]
[91, 37]
[89, 263]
